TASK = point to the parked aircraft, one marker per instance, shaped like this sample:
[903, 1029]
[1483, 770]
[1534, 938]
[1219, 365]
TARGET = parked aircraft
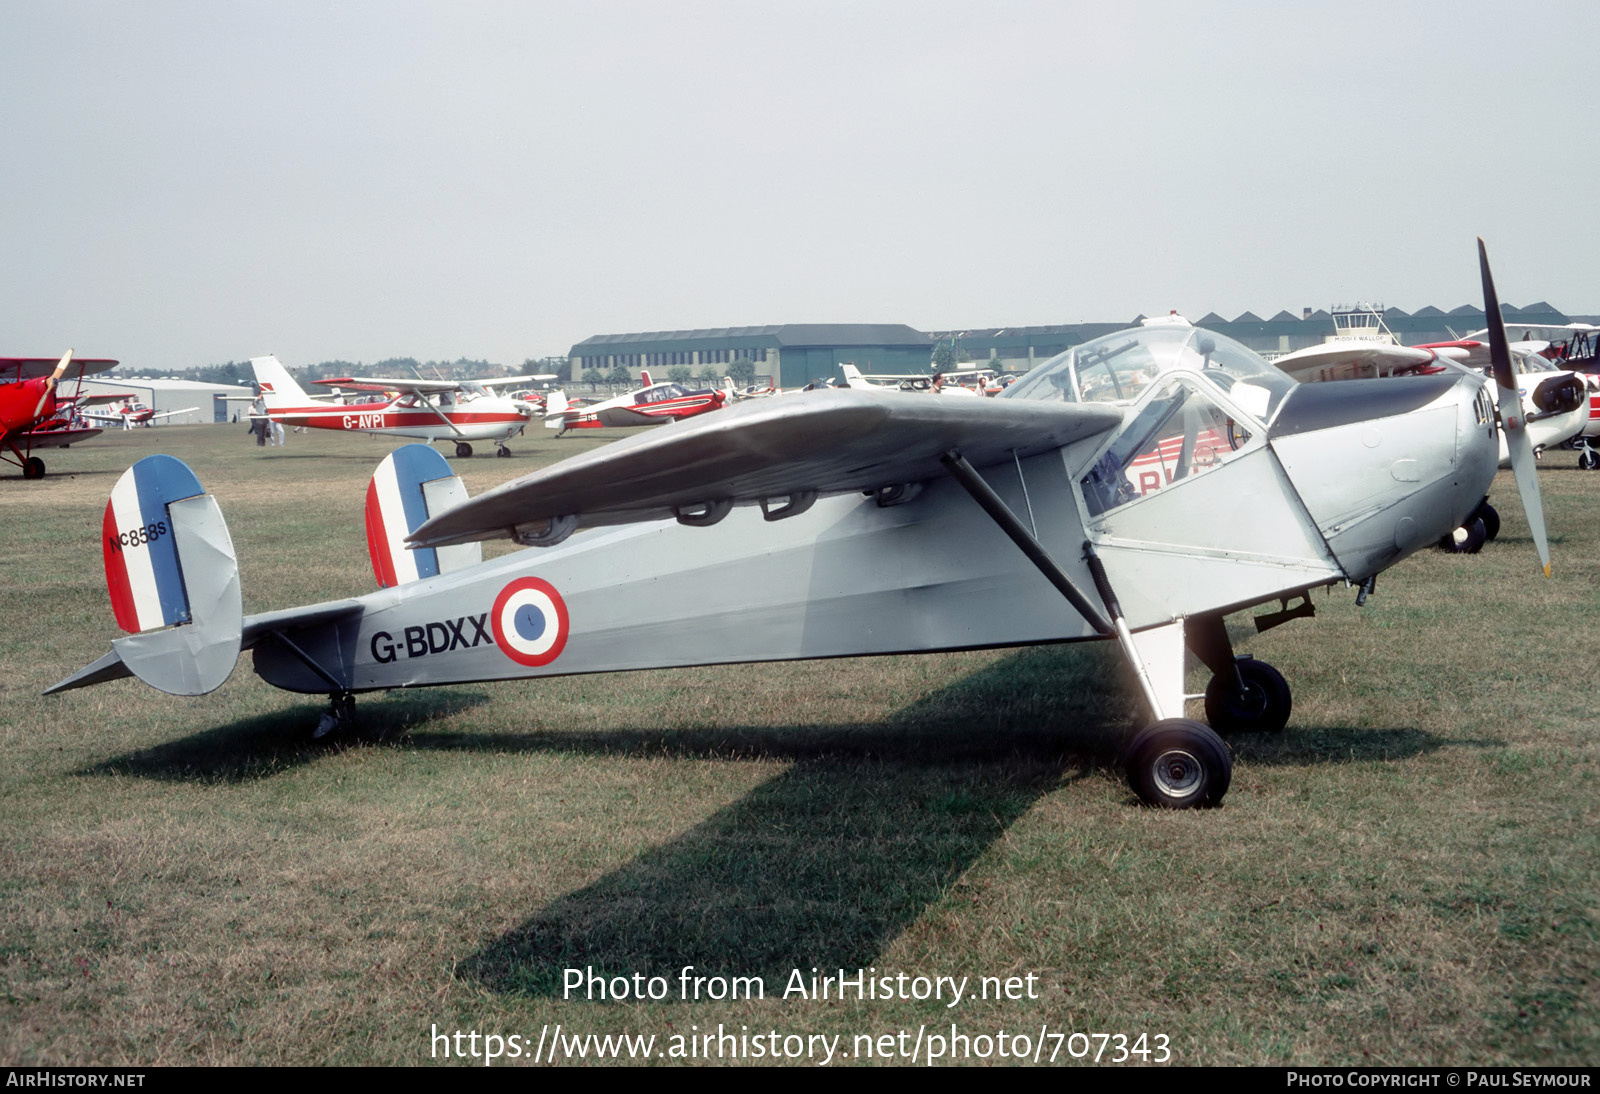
[1553, 401]
[135, 413]
[842, 523]
[32, 412]
[432, 410]
[649, 405]
[960, 382]
[1574, 346]
[1363, 347]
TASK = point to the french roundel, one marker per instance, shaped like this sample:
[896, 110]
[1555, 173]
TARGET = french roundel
[530, 621]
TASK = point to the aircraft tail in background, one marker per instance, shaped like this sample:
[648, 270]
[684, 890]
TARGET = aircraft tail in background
[278, 387]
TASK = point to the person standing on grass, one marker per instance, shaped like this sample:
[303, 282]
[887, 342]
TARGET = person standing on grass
[258, 423]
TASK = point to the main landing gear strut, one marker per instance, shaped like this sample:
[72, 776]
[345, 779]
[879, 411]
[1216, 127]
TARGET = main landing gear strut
[1176, 762]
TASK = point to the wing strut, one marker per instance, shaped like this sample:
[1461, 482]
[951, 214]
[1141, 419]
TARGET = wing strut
[427, 401]
[1001, 514]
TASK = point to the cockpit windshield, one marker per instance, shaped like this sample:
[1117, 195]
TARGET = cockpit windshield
[1118, 367]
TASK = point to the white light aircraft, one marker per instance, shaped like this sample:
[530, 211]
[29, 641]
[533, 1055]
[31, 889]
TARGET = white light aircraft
[843, 523]
[431, 410]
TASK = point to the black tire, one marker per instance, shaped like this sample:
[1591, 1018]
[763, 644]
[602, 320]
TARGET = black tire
[1179, 764]
[503, 452]
[33, 468]
[1588, 459]
[463, 450]
[1263, 706]
[1491, 521]
[1466, 540]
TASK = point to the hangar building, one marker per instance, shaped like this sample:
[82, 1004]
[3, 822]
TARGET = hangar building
[792, 354]
[201, 402]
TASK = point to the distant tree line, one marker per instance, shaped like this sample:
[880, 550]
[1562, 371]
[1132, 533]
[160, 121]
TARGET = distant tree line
[462, 368]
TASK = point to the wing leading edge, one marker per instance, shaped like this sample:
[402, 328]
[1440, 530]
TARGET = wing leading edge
[822, 442]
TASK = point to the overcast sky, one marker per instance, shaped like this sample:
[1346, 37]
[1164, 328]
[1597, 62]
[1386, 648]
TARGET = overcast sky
[188, 183]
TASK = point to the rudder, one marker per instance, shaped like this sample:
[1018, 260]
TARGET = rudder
[413, 483]
[173, 578]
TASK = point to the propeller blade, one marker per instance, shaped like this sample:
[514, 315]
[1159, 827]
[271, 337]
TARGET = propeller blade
[50, 384]
[1523, 463]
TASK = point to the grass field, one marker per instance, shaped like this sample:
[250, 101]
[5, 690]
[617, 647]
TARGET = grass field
[1409, 875]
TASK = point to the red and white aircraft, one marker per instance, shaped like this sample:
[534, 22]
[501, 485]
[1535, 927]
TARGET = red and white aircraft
[33, 415]
[431, 410]
[650, 405]
[133, 412]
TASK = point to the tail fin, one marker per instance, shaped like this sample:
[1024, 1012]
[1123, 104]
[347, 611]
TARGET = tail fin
[413, 483]
[853, 377]
[555, 409]
[644, 374]
[173, 579]
[278, 387]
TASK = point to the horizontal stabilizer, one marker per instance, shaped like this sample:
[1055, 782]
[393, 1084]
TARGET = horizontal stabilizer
[827, 442]
[109, 667]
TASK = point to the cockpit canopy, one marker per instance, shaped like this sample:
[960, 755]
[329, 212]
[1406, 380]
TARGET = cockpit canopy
[1118, 367]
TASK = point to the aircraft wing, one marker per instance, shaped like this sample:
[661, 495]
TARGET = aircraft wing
[60, 437]
[97, 400]
[831, 442]
[1384, 357]
[28, 368]
[618, 417]
[511, 381]
[378, 383]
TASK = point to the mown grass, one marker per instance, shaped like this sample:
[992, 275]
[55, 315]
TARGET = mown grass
[1408, 875]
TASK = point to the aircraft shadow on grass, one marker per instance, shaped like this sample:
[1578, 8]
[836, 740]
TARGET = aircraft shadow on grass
[265, 745]
[828, 862]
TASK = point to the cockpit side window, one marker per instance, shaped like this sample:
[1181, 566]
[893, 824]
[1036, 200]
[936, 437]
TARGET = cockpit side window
[1180, 433]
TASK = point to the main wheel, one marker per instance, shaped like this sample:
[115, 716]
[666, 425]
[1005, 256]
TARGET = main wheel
[33, 468]
[1179, 764]
[1491, 521]
[1466, 540]
[1589, 459]
[463, 449]
[1262, 707]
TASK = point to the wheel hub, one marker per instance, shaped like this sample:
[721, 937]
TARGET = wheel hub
[1176, 772]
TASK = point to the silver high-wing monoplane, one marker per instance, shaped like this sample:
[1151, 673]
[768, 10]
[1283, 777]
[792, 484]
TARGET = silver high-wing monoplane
[1138, 488]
